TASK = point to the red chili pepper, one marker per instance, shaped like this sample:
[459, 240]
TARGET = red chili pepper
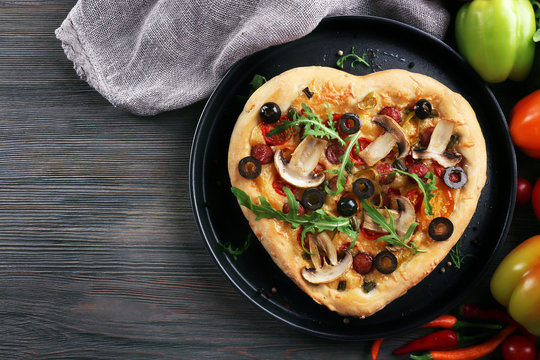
[472, 311]
[439, 340]
[468, 353]
[375, 347]
[451, 322]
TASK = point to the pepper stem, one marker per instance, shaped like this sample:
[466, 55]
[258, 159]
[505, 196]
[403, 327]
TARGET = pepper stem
[466, 324]
[426, 356]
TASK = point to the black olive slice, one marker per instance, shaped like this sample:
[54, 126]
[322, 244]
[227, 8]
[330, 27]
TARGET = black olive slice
[454, 177]
[344, 122]
[440, 228]
[249, 167]
[363, 188]
[347, 206]
[422, 109]
[270, 112]
[308, 92]
[313, 199]
[385, 262]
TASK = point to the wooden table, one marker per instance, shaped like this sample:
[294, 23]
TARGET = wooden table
[100, 254]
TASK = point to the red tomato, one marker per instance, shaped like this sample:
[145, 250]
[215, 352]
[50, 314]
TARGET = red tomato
[277, 139]
[524, 189]
[536, 198]
[353, 155]
[518, 347]
[278, 185]
[370, 235]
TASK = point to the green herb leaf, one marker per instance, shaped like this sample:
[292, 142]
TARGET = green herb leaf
[392, 237]
[456, 256]
[345, 162]
[255, 83]
[227, 247]
[427, 188]
[368, 286]
[313, 125]
[356, 59]
[316, 222]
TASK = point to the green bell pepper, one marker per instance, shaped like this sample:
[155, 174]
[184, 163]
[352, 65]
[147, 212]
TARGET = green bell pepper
[496, 38]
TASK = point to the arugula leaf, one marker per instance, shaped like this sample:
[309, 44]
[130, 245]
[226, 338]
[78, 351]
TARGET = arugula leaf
[427, 188]
[392, 238]
[227, 247]
[456, 256]
[356, 59]
[345, 162]
[313, 125]
[255, 83]
[316, 222]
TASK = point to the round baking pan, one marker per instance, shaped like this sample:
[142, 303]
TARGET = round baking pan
[390, 44]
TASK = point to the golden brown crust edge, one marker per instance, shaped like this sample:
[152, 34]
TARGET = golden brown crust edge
[404, 86]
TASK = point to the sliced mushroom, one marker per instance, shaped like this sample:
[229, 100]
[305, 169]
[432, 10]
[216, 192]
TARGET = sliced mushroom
[381, 146]
[436, 149]
[327, 272]
[299, 170]
[407, 216]
[322, 243]
[370, 225]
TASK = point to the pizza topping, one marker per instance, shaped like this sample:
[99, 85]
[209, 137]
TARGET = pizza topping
[407, 214]
[385, 262]
[263, 153]
[369, 101]
[385, 173]
[400, 165]
[349, 123]
[270, 112]
[428, 188]
[392, 112]
[275, 138]
[371, 226]
[322, 244]
[368, 286]
[313, 199]
[379, 148]
[347, 206]
[333, 152]
[436, 149]
[453, 140]
[249, 167]
[301, 209]
[419, 169]
[440, 228]
[308, 92]
[392, 237]
[362, 263]
[363, 188]
[299, 170]
[342, 285]
[327, 272]
[278, 184]
[454, 177]
[422, 109]
[425, 136]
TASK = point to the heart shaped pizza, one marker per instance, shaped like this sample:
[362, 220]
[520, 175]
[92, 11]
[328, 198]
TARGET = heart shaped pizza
[357, 186]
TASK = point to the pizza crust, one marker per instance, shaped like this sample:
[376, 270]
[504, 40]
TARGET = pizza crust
[399, 87]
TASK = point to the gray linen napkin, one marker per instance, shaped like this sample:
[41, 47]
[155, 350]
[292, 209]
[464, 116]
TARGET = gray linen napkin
[149, 56]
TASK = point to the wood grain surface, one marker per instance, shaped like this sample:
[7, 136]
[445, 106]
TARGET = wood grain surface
[100, 256]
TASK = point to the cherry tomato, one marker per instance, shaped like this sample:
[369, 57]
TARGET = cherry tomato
[277, 139]
[524, 189]
[536, 198]
[353, 155]
[279, 183]
[518, 347]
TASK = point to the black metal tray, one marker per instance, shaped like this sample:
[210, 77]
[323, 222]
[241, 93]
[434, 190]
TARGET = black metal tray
[254, 274]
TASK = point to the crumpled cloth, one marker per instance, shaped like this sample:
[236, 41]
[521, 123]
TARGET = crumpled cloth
[149, 56]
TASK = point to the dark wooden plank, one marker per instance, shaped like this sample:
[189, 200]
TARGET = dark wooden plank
[100, 254]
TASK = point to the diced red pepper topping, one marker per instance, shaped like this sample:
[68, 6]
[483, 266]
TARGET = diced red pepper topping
[392, 112]
[263, 153]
